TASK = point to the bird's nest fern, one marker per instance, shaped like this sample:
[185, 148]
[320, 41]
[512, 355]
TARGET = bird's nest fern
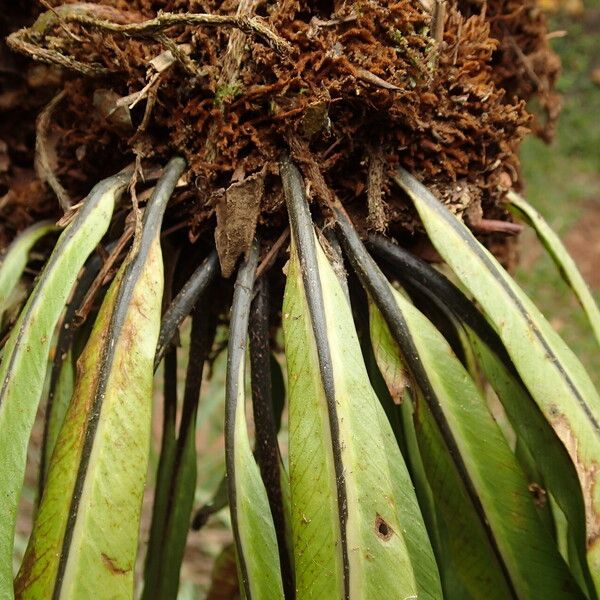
[406, 477]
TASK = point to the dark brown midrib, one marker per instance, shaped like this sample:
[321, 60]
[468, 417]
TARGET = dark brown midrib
[378, 288]
[412, 186]
[236, 350]
[303, 236]
[266, 446]
[151, 227]
[95, 196]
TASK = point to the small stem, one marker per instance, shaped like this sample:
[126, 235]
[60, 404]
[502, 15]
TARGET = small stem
[18, 41]
[21, 41]
[311, 169]
[438, 18]
[266, 447]
[88, 301]
[375, 202]
[250, 25]
[184, 302]
[437, 22]
[336, 258]
[186, 62]
[236, 351]
[230, 67]
[269, 259]
[42, 164]
[496, 226]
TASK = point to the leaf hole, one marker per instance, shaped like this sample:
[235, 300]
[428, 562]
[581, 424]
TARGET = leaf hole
[382, 529]
[538, 494]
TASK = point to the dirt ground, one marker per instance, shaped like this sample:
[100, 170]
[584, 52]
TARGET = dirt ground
[583, 242]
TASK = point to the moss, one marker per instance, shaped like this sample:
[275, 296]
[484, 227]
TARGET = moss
[227, 93]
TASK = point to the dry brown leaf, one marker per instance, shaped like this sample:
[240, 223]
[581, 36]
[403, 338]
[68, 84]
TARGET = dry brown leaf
[237, 213]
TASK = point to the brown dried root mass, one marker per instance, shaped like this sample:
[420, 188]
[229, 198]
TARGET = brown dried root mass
[363, 87]
[523, 64]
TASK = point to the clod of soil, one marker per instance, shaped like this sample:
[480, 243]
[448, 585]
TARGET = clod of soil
[350, 89]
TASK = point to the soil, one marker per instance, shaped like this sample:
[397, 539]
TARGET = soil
[583, 244]
[350, 89]
[581, 241]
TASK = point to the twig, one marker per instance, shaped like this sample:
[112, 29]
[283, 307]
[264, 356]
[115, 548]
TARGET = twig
[271, 255]
[333, 22]
[457, 42]
[177, 227]
[149, 107]
[18, 42]
[152, 93]
[88, 301]
[526, 64]
[59, 18]
[235, 46]
[178, 54]
[249, 25]
[437, 21]
[42, 161]
[438, 18]
[137, 214]
[144, 91]
[561, 33]
[310, 168]
[496, 226]
[373, 79]
[231, 63]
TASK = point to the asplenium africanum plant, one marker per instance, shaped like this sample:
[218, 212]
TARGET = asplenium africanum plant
[442, 439]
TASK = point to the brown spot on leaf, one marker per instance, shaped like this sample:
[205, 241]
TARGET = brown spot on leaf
[112, 565]
[26, 576]
[382, 529]
[540, 497]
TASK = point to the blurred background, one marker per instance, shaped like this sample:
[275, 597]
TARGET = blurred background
[563, 178]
